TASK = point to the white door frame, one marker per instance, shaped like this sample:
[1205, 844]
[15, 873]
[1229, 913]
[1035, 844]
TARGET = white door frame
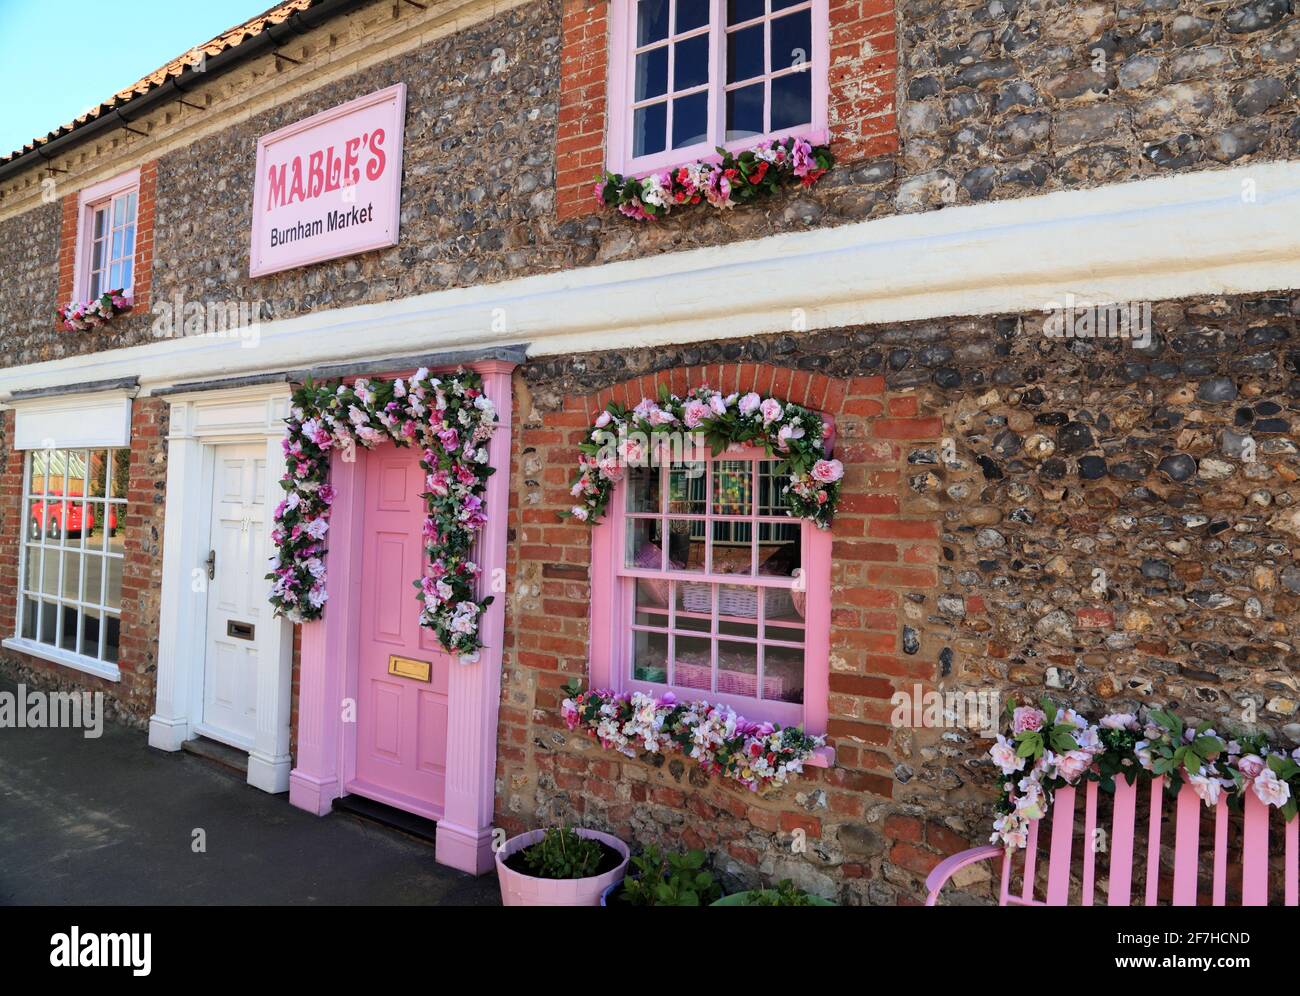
[200, 422]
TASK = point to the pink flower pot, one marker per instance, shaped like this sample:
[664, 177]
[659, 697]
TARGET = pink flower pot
[518, 889]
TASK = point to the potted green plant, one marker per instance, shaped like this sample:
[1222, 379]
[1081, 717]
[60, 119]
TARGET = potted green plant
[785, 894]
[656, 878]
[559, 867]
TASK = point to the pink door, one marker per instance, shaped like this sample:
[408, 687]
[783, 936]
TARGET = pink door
[401, 728]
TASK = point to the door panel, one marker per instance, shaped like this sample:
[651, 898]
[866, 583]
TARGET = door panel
[236, 594]
[401, 730]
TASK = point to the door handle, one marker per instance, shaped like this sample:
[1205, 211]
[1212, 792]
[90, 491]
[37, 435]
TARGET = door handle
[212, 565]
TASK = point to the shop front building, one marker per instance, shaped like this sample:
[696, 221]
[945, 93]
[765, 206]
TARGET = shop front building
[1029, 311]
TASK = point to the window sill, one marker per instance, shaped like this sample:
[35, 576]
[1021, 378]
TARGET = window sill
[822, 757]
[100, 669]
[706, 153]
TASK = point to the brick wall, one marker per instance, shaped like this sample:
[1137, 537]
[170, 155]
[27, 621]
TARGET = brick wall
[131, 698]
[861, 77]
[885, 550]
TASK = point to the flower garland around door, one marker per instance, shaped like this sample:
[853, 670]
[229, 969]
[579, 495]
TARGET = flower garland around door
[795, 435]
[452, 420]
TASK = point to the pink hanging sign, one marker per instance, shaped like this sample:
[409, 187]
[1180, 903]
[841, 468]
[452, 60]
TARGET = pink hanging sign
[329, 185]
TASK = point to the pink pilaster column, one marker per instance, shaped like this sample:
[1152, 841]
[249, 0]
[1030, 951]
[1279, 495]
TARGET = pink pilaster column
[317, 779]
[464, 838]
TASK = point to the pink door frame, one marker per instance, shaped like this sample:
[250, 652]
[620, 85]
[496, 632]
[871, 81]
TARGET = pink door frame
[328, 674]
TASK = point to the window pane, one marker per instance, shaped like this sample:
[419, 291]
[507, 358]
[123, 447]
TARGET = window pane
[40, 461]
[28, 630]
[71, 584]
[693, 663]
[791, 100]
[791, 40]
[779, 549]
[738, 668]
[743, 10]
[732, 627]
[113, 586]
[649, 129]
[649, 656]
[774, 630]
[120, 206]
[771, 484]
[779, 5]
[113, 627]
[651, 21]
[90, 626]
[117, 244]
[32, 568]
[745, 112]
[686, 546]
[128, 241]
[686, 488]
[783, 674]
[732, 493]
[35, 520]
[691, 14]
[654, 595]
[745, 53]
[643, 489]
[690, 119]
[642, 548]
[97, 473]
[49, 620]
[652, 73]
[696, 598]
[128, 269]
[94, 571]
[97, 256]
[121, 463]
[101, 216]
[69, 625]
[690, 65]
[733, 550]
[737, 601]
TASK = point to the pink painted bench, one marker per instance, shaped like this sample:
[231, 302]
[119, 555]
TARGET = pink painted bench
[1066, 854]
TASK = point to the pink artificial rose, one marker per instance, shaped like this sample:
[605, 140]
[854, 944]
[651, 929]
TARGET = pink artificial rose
[1027, 719]
[1073, 765]
[1119, 721]
[827, 471]
[749, 403]
[1251, 765]
[694, 413]
[771, 409]
[1271, 790]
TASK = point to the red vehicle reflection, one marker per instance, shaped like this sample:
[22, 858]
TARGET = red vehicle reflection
[55, 519]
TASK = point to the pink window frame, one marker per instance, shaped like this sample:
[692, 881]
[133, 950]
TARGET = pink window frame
[88, 201]
[622, 55]
[612, 612]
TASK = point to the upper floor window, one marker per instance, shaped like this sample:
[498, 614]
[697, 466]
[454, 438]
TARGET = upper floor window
[703, 585]
[106, 239]
[688, 76]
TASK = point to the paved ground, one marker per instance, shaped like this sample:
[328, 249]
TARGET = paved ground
[110, 821]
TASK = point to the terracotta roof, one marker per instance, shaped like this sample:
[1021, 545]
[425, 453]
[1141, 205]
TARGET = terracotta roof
[231, 38]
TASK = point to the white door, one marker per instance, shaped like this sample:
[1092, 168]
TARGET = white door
[237, 592]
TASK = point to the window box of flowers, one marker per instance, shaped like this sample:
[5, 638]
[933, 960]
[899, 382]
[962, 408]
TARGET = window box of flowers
[86, 315]
[560, 867]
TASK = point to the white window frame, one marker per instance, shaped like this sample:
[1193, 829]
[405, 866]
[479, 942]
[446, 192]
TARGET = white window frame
[112, 506]
[100, 196]
[621, 77]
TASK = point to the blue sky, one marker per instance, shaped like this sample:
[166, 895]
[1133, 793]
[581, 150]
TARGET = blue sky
[60, 57]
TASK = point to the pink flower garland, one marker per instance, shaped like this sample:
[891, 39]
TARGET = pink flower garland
[452, 421]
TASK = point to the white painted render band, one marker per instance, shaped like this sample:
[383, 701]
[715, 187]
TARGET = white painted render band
[1227, 231]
